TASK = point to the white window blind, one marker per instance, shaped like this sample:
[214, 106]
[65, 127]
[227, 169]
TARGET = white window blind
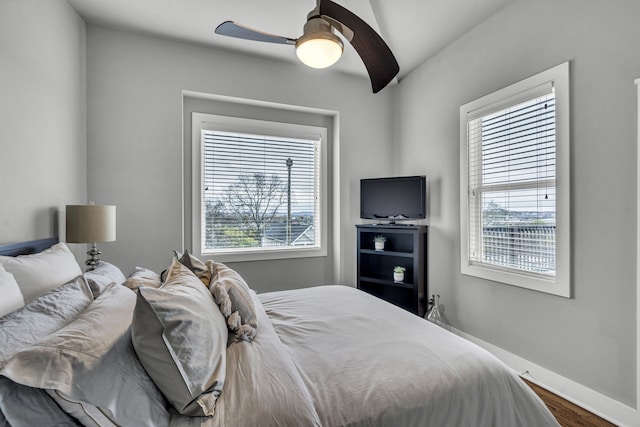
[515, 184]
[259, 192]
[512, 197]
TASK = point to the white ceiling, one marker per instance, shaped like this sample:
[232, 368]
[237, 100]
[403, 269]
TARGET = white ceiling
[414, 29]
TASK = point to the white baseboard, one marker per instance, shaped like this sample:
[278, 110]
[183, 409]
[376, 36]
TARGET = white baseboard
[599, 404]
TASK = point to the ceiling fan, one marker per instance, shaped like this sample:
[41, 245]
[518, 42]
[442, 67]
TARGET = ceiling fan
[320, 47]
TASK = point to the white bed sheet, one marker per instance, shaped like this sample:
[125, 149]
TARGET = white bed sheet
[365, 362]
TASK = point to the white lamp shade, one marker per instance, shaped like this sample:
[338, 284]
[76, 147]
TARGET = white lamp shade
[91, 223]
[321, 51]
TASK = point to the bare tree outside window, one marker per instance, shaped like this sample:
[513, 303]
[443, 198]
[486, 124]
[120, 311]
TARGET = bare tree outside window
[214, 214]
[254, 201]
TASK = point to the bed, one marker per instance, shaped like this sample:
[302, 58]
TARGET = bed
[200, 348]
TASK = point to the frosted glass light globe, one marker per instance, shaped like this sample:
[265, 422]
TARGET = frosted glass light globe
[321, 51]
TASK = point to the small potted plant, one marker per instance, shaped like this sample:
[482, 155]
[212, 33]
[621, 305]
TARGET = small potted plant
[398, 273]
[378, 242]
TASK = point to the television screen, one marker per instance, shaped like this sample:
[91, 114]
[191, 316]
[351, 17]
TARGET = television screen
[397, 198]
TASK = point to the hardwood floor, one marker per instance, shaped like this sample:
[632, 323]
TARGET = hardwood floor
[567, 413]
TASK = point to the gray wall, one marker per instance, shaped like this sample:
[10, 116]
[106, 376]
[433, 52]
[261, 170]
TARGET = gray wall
[591, 338]
[43, 164]
[135, 113]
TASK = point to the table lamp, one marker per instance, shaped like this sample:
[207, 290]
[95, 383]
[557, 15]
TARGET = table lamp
[91, 224]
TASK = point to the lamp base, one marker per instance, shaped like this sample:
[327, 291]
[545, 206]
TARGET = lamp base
[93, 260]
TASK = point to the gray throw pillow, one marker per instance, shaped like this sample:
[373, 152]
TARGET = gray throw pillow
[180, 337]
[233, 296]
[196, 266]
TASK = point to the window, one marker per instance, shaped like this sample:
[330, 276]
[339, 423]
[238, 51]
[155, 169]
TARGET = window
[258, 188]
[515, 184]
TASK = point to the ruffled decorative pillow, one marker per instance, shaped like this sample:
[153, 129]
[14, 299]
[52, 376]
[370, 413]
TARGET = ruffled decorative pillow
[232, 295]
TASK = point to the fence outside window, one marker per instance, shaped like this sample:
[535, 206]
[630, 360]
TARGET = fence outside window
[525, 247]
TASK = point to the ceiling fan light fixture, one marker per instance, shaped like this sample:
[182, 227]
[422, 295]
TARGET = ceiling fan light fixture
[319, 47]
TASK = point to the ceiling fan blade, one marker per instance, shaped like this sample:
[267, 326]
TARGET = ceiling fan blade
[233, 29]
[376, 55]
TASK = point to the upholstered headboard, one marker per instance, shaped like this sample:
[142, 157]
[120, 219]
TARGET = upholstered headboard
[26, 248]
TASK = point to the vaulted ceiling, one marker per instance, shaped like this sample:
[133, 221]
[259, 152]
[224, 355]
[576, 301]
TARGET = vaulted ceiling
[414, 29]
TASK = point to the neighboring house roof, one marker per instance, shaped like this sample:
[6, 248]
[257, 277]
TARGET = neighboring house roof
[301, 234]
[307, 237]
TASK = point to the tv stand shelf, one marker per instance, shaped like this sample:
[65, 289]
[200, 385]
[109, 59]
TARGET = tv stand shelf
[387, 282]
[406, 246]
[387, 253]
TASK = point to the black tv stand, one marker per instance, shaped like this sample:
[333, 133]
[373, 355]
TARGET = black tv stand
[389, 224]
[406, 246]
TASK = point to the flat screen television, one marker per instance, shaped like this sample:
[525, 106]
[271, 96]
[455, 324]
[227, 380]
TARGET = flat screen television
[394, 199]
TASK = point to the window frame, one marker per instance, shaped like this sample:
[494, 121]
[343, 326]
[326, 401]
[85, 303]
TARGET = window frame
[204, 121]
[558, 77]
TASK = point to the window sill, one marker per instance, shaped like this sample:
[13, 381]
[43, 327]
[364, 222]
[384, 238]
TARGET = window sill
[559, 286]
[263, 255]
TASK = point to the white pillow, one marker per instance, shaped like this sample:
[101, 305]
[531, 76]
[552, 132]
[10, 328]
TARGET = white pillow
[102, 276]
[39, 273]
[11, 296]
[143, 277]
